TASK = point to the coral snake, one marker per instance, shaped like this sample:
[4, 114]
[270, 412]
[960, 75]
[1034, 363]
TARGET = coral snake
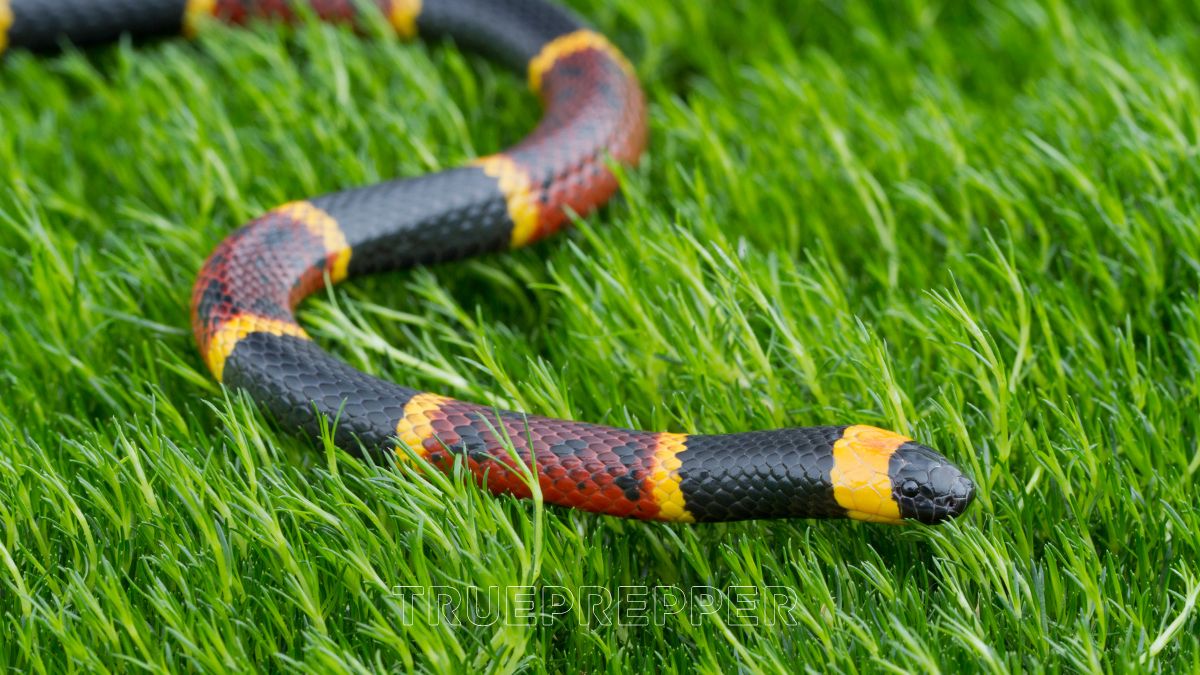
[594, 114]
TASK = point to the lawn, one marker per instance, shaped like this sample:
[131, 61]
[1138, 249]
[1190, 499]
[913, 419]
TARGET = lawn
[976, 223]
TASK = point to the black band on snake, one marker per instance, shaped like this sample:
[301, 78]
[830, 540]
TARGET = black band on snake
[594, 114]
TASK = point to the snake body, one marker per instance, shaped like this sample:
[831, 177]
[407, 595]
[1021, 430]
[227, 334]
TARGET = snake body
[595, 114]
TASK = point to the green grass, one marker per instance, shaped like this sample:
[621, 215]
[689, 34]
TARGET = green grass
[973, 222]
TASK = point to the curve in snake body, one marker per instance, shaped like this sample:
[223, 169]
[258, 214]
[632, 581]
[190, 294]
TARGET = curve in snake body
[594, 113]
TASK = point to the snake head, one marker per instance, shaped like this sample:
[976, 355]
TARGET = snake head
[926, 485]
[884, 477]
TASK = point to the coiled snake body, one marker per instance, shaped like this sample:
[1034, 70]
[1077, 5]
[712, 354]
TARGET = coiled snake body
[594, 113]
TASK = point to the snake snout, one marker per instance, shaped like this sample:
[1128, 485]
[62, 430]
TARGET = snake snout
[927, 486]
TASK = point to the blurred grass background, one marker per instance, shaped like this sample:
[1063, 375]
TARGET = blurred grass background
[972, 222]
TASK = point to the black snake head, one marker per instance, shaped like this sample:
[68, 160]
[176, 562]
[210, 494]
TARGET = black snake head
[926, 485]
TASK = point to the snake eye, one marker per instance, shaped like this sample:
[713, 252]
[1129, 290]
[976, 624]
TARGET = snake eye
[910, 488]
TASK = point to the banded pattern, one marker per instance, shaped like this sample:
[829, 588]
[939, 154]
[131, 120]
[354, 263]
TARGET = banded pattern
[595, 117]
